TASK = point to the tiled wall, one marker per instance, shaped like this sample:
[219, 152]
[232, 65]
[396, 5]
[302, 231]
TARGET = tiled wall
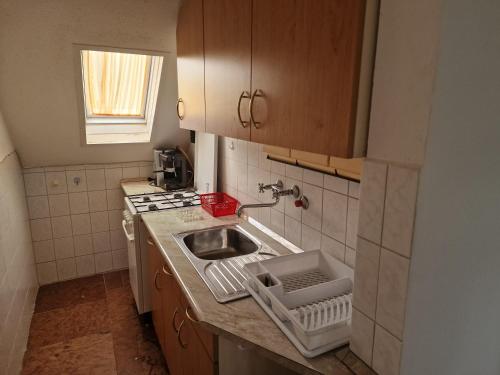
[18, 284]
[387, 210]
[331, 221]
[76, 214]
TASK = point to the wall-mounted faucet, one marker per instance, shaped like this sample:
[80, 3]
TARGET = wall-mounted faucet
[277, 191]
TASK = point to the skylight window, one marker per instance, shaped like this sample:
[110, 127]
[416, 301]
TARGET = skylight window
[119, 94]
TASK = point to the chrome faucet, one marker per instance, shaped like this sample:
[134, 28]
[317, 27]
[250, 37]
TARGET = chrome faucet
[277, 191]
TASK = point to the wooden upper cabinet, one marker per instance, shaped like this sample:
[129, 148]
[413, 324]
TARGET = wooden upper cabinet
[306, 61]
[228, 33]
[190, 66]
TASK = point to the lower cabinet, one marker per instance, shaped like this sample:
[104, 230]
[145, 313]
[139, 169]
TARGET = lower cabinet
[188, 348]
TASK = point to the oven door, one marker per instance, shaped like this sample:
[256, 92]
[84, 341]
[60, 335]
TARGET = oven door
[130, 229]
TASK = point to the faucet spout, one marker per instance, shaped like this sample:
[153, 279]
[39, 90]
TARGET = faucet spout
[257, 205]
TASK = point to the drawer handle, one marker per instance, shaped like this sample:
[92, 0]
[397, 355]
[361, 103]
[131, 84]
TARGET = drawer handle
[151, 243]
[173, 320]
[179, 101]
[244, 95]
[189, 316]
[157, 273]
[164, 269]
[184, 346]
[256, 94]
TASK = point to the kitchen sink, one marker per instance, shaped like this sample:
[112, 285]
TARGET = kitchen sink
[218, 254]
[219, 243]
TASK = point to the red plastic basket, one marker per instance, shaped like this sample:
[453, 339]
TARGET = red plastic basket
[218, 204]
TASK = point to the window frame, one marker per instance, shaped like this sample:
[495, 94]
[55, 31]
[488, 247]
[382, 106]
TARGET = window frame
[98, 130]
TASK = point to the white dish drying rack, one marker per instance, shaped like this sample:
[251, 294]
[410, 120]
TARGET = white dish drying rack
[308, 295]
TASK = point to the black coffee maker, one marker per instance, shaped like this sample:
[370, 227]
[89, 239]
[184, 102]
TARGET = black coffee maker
[172, 169]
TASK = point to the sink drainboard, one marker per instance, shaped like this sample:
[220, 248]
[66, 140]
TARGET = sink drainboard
[226, 277]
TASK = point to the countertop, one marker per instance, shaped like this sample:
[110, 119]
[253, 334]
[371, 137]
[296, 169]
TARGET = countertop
[242, 321]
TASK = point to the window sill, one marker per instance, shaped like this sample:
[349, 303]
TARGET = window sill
[118, 138]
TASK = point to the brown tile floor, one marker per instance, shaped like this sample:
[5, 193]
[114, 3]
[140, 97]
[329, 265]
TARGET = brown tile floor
[90, 326]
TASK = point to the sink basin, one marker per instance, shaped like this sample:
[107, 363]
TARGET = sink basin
[219, 254]
[219, 243]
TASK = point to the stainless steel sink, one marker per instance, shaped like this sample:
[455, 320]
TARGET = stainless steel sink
[219, 243]
[218, 254]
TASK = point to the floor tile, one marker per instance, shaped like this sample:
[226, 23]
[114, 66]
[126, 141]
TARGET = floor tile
[113, 280]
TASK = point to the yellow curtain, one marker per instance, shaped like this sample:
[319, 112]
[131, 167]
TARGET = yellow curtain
[115, 83]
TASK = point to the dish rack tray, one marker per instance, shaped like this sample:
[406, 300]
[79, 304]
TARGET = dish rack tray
[308, 295]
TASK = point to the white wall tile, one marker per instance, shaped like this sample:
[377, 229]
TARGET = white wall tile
[61, 226]
[35, 184]
[103, 262]
[66, 268]
[400, 209]
[41, 229]
[146, 170]
[56, 182]
[277, 223]
[113, 177]
[120, 259]
[264, 162]
[293, 229]
[363, 331]
[99, 221]
[38, 207]
[392, 289]
[101, 242]
[59, 205]
[115, 199]
[386, 352]
[334, 215]
[118, 240]
[44, 251]
[333, 247]
[95, 179]
[131, 172]
[81, 224]
[313, 177]
[372, 196]
[242, 177]
[85, 265]
[64, 248]
[47, 273]
[115, 219]
[265, 216]
[79, 203]
[293, 171]
[254, 150]
[76, 180]
[277, 167]
[97, 200]
[354, 188]
[366, 276]
[336, 184]
[311, 238]
[313, 215]
[352, 222]
[83, 244]
[350, 257]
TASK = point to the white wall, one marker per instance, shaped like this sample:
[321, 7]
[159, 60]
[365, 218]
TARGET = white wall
[452, 323]
[38, 74]
[18, 285]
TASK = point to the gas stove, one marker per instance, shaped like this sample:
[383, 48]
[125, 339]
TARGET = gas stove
[164, 201]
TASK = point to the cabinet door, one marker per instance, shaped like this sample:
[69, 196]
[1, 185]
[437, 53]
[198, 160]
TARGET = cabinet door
[173, 318]
[156, 291]
[227, 32]
[190, 66]
[305, 59]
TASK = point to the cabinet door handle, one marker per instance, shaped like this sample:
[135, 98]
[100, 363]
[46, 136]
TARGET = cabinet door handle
[149, 242]
[179, 101]
[256, 94]
[184, 346]
[173, 320]
[164, 269]
[244, 95]
[157, 273]
[189, 316]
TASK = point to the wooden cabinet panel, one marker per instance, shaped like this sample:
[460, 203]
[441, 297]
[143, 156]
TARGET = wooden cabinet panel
[156, 292]
[227, 33]
[306, 59]
[190, 65]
